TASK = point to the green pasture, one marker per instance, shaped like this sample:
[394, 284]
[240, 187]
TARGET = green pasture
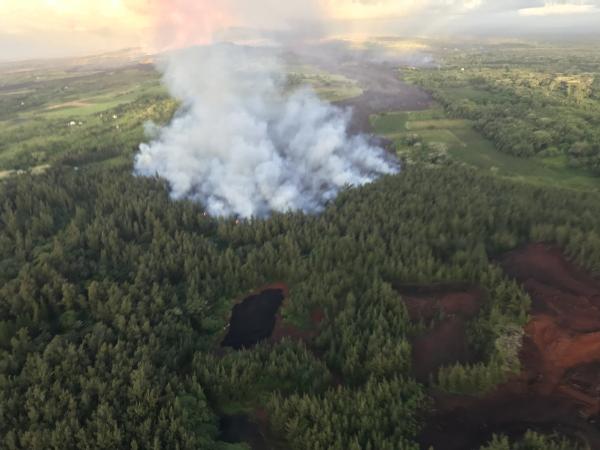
[461, 142]
[328, 86]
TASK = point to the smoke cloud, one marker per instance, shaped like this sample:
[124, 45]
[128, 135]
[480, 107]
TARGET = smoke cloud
[243, 145]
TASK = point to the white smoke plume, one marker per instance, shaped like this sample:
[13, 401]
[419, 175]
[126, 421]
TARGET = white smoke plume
[243, 145]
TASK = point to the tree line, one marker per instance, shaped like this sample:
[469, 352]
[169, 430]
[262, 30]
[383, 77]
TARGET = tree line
[113, 301]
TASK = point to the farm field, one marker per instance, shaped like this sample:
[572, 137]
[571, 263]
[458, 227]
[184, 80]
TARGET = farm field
[431, 136]
[329, 86]
[80, 115]
[537, 107]
[91, 114]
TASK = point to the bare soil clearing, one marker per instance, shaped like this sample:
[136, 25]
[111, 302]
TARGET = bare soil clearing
[559, 386]
[447, 310]
[286, 330]
[564, 332]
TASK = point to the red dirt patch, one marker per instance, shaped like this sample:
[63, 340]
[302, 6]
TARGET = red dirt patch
[559, 387]
[443, 346]
[445, 343]
[564, 332]
[427, 302]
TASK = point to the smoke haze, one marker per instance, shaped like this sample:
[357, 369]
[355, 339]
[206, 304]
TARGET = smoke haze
[243, 146]
[77, 27]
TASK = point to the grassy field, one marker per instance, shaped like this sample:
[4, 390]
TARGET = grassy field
[539, 102]
[431, 137]
[328, 86]
[77, 115]
[85, 113]
[436, 124]
[91, 116]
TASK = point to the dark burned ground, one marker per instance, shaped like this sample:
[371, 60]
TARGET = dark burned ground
[559, 387]
[557, 391]
[239, 428]
[253, 320]
[465, 423]
[384, 91]
[446, 310]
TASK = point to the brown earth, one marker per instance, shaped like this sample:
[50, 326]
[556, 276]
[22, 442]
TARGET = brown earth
[446, 309]
[563, 336]
[559, 386]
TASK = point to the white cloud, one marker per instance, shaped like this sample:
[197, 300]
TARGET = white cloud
[559, 9]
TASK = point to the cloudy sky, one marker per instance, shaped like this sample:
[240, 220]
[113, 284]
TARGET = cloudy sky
[47, 28]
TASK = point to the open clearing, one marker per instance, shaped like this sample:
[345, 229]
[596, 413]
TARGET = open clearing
[73, 104]
[328, 86]
[558, 388]
[78, 118]
[436, 124]
[461, 142]
[445, 310]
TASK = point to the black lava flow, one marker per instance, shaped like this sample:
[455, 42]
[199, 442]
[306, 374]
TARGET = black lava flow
[253, 320]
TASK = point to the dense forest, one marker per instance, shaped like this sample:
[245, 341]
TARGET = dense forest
[531, 441]
[114, 300]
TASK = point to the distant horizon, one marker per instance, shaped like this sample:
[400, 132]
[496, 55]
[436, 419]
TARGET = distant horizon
[140, 52]
[50, 29]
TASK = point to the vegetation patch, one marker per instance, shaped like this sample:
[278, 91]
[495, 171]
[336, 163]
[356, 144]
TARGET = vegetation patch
[443, 124]
[329, 86]
[526, 109]
[431, 138]
[60, 118]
